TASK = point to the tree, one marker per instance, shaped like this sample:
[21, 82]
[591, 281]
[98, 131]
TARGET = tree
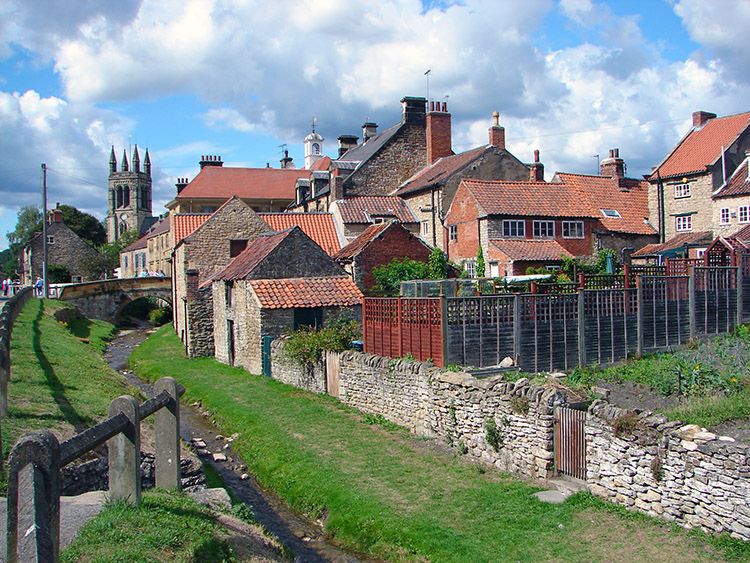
[389, 276]
[437, 265]
[29, 223]
[101, 264]
[86, 226]
[480, 262]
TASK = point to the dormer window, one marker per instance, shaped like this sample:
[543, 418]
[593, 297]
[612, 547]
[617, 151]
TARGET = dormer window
[611, 213]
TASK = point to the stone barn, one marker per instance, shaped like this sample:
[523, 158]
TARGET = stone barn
[280, 282]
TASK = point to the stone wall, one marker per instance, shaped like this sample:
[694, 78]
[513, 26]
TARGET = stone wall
[311, 378]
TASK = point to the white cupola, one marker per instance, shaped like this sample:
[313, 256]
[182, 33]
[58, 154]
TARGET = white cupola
[313, 147]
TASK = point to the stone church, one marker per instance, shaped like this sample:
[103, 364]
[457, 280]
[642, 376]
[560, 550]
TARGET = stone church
[129, 206]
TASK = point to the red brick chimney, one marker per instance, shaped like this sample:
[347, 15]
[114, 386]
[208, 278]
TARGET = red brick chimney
[536, 169]
[614, 167]
[497, 133]
[438, 132]
[700, 118]
[337, 185]
[55, 215]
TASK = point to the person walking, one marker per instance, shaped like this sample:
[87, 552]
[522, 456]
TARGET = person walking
[38, 285]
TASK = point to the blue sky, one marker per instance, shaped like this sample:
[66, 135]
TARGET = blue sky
[185, 78]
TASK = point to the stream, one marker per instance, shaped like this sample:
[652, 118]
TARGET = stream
[299, 534]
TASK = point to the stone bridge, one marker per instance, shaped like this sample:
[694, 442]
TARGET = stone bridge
[106, 299]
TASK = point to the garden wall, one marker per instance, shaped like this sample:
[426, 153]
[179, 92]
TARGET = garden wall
[697, 480]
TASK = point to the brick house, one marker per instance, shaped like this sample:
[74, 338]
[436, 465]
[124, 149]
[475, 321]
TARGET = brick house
[198, 256]
[682, 186]
[353, 215]
[261, 189]
[732, 201]
[64, 248]
[379, 244]
[280, 282]
[430, 192]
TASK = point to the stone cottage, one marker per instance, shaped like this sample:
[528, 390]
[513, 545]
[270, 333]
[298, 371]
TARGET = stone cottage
[198, 256]
[280, 282]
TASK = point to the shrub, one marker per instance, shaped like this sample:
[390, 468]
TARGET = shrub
[160, 316]
[625, 424]
[389, 276]
[519, 405]
[492, 434]
[437, 265]
[305, 346]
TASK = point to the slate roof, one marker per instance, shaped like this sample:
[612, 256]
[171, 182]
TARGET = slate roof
[683, 239]
[361, 209]
[363, 152]
[219, 182]
[136, 245]
[185, 223]
[525, 199]
[530, 250]
[702, 147]
[602, 192]
[306, 292]
[161, 227]
[439, 171]
[245, 262]
[738, 184]
[320, 227]
[359, 243]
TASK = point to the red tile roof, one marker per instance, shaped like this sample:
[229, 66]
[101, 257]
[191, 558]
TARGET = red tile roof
[524, 199]
[219, 182]
[529, 250]
[362, 209]
[738, 184]
[678, 241]
[602, 192]
[318, 226]
[185, 223]
[306, 292]
[439, 171]
[743, 234]
[244, 263]
[702, 147]
[356, 246]
[321, 163]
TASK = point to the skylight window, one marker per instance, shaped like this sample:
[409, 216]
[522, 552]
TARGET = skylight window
[612, 213]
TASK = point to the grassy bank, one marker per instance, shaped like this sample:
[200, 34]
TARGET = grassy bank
[386, 493]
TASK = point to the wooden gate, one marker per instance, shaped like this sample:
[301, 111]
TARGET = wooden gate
[570, 442]
[332, 373]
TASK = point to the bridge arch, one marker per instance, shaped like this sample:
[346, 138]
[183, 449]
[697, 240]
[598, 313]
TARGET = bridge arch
[106, 299]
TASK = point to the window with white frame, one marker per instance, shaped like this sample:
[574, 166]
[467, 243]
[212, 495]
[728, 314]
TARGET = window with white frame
[743, 214]
[470, 267]
[425, 227]
[684, 223]
[544, 229]
[572, 229]
[681, 190]
[514, 229]
[611, 213]
[50, 239]
[724, 218]
[453, 233]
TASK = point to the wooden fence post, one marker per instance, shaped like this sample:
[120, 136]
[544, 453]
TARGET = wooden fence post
[691, 300]
[125, 452]
[581, 330]
[167, 436]
[516, 328]
[739, 281]
[639, 315]
[444, 330]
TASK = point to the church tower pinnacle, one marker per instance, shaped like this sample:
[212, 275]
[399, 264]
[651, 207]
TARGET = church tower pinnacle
[129, 202]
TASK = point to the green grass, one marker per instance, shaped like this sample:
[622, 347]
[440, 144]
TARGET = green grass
[385, 493]
[165, 527]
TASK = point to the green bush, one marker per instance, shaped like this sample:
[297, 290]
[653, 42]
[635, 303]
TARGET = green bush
[160, 316]
[388, 277]
[437, 265]
[306, 346]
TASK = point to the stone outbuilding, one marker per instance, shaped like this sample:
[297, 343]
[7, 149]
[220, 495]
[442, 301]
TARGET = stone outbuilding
[379, 244]
[280, 282]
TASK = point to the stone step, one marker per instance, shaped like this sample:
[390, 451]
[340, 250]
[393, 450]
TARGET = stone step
[561, 488]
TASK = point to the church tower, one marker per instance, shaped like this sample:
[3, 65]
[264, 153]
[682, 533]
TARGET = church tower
[313, 147]
[129, 194]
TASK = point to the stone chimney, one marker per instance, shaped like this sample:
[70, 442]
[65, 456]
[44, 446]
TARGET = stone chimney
[438, 132]
[413, 110]
[700, 118]
[369, 130]
[536, 169]
[287, 161]
[497, 133]
[337, 185]
[181, 183]
[347, 142]
[210, 161]
[614, 167]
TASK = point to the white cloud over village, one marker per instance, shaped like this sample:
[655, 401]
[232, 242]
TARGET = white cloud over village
[266, 68]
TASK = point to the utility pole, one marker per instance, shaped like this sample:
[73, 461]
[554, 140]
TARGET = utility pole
[44, 229]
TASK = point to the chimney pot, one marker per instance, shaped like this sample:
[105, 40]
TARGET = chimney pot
[496, 118]
[432, 106]
[438, 134]
[536, 155]
[445, 106]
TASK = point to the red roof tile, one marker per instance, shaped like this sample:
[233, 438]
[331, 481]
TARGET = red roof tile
[356, 246]
[529, 250]
[439, 171]
[738, 184]
[601, 192]
[318, 226]
[362, 209]
[306, 292]
[185, 223]
[321, 163]
[678, 241]
[217, 182]
[702, 147]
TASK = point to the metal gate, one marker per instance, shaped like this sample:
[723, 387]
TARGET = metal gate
[266, 355]
[332, 373]
[570, 442]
